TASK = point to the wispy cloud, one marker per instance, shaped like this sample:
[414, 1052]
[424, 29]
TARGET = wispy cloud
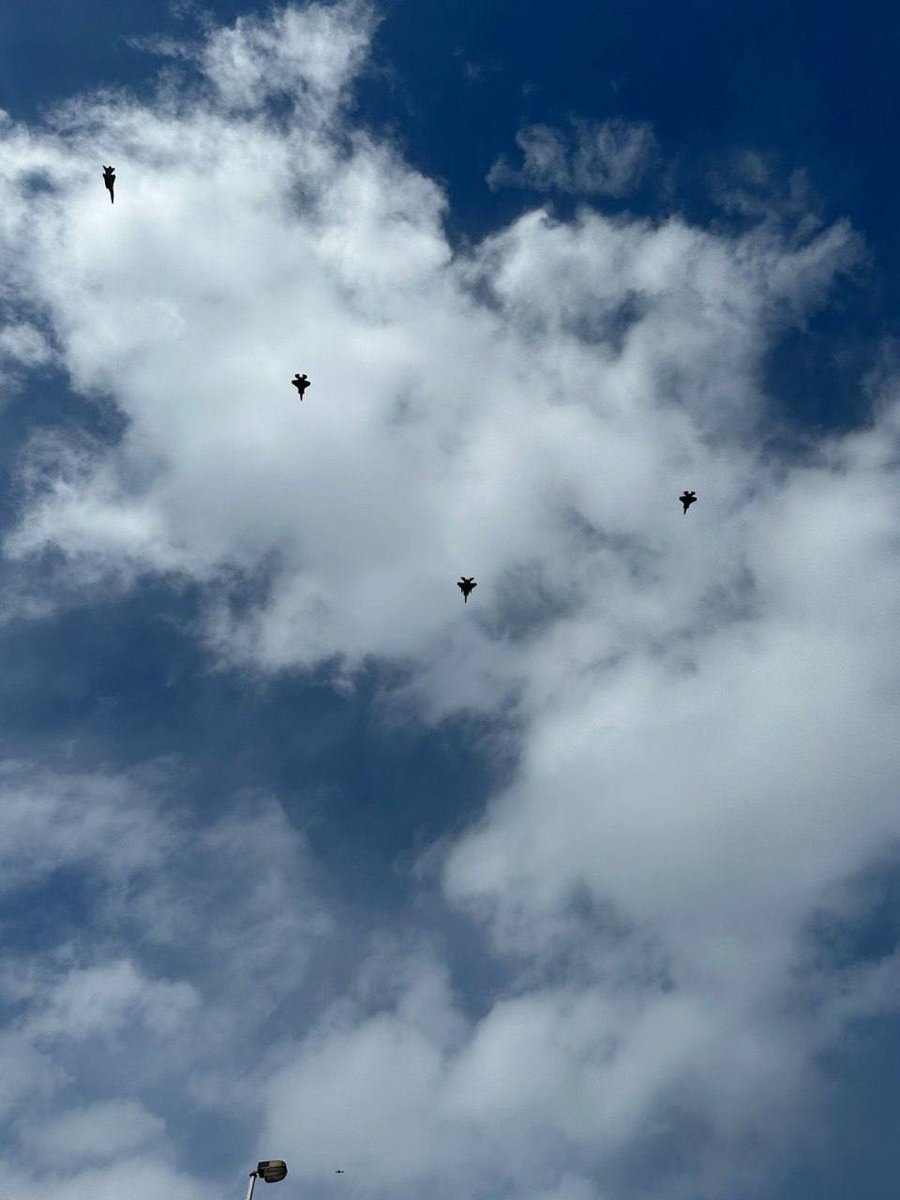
[598, 158]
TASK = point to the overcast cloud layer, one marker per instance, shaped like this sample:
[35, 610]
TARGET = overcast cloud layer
[708, 703]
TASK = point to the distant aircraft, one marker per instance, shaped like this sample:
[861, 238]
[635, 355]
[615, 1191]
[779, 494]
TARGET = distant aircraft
[339, 1172]
[109, 178]
[301, 383]
[465, 585]
[687, 499]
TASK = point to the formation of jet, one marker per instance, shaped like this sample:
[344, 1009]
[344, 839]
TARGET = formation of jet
[466, 585]
[109, 178]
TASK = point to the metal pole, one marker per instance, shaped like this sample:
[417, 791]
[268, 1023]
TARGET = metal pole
[252, 1183]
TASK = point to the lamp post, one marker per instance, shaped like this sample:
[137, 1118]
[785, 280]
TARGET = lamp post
[272, 1170]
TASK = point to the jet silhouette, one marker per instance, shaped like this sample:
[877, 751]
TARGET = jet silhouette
[109, 178]
[687, 499]
[339, 1171]
[301, 383]
[465, 586]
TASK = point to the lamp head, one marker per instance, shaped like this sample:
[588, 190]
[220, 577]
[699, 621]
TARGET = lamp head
[272, 1170]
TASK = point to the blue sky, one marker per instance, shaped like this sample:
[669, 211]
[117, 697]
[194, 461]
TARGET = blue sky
[585, 890]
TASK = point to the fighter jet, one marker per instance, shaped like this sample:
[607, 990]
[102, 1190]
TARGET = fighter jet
[339, 1171]
[465, 585]
[301, 383]
[109, 178]
[687, 499]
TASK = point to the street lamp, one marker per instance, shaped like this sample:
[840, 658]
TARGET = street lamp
[272, 1170]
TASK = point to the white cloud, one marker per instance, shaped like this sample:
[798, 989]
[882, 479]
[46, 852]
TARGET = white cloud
[607, 158]
[173, 951]
[708, 703]
[52, 822]
[23, 345]
[364, 1099]
[147, 1179]
[26, 1075]
[107, 1129]
[570, 1187]
[102, 1000]
[310, 54]
[750, 184]
[160, 879]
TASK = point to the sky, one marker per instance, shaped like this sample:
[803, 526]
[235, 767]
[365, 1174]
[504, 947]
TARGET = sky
[586, 889]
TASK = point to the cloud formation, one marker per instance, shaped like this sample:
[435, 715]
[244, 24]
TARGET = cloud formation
[706, 703]
[117, 1011]
[600, 158]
